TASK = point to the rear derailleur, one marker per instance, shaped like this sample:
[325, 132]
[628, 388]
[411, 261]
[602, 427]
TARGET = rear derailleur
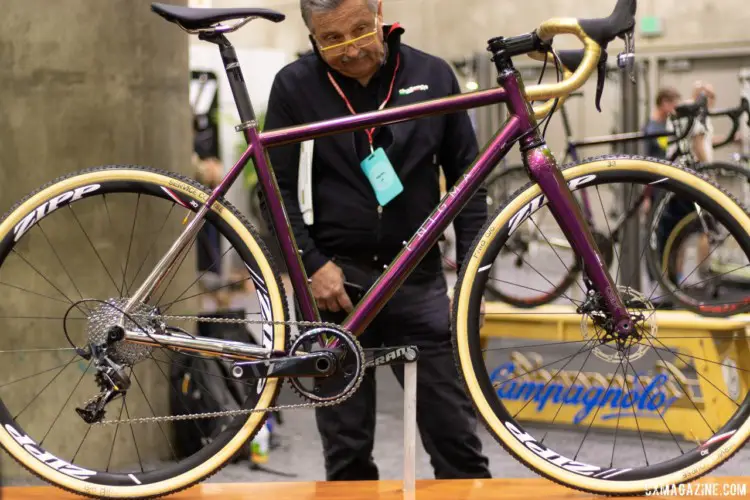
[110, 377]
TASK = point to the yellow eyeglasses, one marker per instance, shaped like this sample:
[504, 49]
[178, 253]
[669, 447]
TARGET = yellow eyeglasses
[360, 42]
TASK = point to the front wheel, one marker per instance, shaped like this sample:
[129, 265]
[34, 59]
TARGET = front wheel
[96, 235]
[591, 410]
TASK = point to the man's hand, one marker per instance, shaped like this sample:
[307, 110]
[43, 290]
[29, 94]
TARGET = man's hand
[328, 289]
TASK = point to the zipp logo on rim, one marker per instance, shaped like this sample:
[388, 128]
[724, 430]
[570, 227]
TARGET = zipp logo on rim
[541, 200]
[48, 458]
[266, 313]
[50, 206]
[552, 456]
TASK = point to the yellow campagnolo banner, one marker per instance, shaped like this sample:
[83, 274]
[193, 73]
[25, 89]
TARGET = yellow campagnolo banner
[692, 387]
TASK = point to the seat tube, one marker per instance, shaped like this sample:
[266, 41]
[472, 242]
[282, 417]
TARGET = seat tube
[542, 167]
[237, 84]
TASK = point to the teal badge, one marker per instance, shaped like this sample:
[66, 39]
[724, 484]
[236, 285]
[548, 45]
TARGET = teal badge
[378, 169]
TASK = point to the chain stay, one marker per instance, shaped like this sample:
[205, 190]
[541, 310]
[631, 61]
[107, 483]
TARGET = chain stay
[229, 413]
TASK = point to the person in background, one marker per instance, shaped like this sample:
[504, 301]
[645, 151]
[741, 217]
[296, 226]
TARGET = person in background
[702, 135]
[667, 100]
[700, 144]
[360, 223]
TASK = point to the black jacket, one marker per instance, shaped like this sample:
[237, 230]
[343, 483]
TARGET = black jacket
[348, 220]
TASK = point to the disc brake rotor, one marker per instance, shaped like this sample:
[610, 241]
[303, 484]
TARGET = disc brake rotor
[596, 328]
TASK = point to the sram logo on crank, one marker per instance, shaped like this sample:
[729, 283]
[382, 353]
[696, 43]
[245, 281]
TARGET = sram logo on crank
[390, 355]
[50, 206]
[48, 458]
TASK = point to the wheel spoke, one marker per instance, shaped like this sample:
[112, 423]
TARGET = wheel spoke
[151, 247]
[130, 246]
[98, 256]
[59, 259]
[41, 442]
[45, 387]
[169, 443]
[567, 269]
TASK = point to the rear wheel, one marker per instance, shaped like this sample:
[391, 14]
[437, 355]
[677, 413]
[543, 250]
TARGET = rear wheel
[585, 408]
[95, 235]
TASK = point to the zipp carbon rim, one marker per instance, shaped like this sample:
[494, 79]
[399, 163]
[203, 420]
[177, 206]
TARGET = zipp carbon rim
[187, 193]
[469, 353]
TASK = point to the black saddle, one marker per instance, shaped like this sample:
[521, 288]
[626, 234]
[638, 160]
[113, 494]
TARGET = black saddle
[197, 18]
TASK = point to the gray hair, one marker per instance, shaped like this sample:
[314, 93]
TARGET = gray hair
[309, 6]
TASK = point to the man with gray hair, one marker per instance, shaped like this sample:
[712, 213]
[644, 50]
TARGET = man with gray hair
[353, 224]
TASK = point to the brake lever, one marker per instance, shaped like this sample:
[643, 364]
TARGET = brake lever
[626, 60]
[601, 74]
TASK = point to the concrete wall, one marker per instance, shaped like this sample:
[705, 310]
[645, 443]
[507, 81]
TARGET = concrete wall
[85, 83]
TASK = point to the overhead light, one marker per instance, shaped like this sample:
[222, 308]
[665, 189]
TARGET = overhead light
[472, 85]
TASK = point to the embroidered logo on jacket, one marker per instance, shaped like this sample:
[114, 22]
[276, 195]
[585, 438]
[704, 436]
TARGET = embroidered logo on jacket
[411, 90]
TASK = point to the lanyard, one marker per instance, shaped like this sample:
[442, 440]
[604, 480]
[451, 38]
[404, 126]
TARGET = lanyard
[370, 132]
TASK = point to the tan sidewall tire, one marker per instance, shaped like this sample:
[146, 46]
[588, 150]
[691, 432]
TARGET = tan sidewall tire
[467, 368]
[270, 390]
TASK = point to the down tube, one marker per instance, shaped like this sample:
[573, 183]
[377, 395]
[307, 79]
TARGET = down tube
[432, 228]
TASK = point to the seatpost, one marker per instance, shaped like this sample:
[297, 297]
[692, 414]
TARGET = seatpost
[236, 80]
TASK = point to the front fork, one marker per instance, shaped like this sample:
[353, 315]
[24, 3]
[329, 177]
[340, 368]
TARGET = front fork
[542, 168]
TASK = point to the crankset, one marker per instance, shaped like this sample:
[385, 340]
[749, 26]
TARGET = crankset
[317, 364]
[324, 365]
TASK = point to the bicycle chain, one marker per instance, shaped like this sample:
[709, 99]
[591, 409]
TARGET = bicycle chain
[226, 413]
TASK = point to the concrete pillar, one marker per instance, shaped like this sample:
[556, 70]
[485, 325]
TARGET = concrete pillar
[630, 252]
[87, 83]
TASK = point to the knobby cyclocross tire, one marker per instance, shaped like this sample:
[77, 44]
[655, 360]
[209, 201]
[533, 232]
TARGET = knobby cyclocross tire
[234, 227]
[468, 346]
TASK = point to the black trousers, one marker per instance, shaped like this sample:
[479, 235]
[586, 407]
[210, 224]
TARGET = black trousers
[418, 314]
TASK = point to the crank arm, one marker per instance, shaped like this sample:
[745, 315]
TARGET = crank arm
[316, 364]
[382, 356]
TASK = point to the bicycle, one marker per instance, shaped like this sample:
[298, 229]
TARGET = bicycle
[682, 231]
[324, 362]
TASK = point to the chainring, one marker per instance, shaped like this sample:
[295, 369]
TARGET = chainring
[350, 364]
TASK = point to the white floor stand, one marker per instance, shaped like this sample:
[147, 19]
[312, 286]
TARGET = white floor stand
[410, 428]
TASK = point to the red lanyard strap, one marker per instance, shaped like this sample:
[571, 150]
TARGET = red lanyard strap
[370, 132]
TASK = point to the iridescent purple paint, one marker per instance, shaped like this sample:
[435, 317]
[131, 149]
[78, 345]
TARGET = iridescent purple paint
[520, 127]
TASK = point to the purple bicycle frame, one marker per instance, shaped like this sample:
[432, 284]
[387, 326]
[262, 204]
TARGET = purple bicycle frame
[520, 126]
